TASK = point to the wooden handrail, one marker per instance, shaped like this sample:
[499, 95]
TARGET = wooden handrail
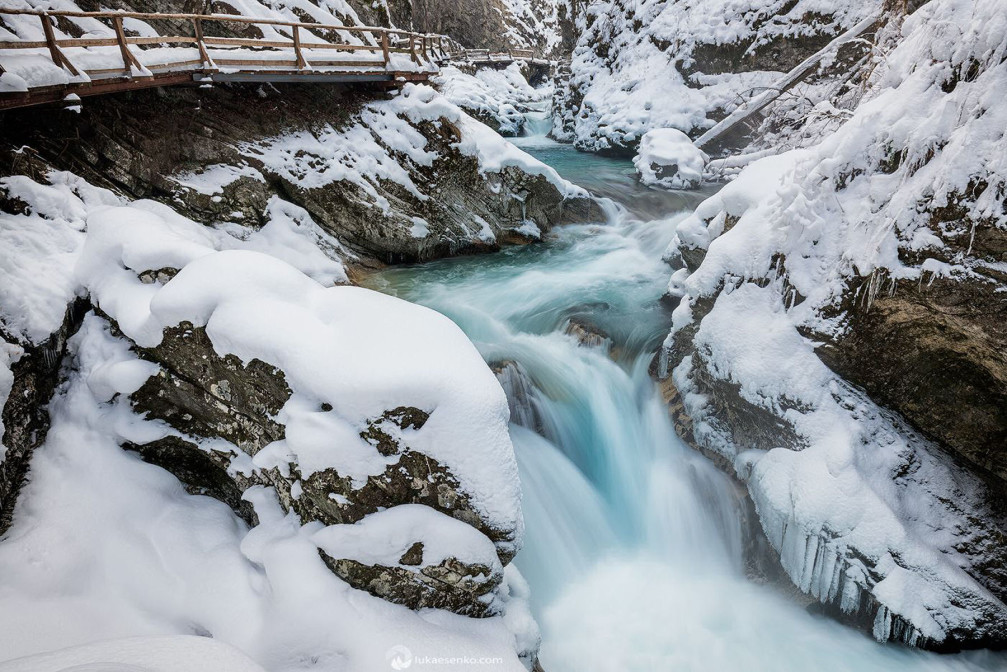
[233, 18]
[117, 16]
[381, 40]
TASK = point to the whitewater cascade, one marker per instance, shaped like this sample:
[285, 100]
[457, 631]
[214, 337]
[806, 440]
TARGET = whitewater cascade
[633, 540]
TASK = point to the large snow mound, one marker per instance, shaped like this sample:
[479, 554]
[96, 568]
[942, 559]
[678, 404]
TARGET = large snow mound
[40, 246]
[667, 158]
[359, 351]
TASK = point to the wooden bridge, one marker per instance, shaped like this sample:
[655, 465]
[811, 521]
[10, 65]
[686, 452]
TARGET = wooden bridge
[121, 51]
[486, 57]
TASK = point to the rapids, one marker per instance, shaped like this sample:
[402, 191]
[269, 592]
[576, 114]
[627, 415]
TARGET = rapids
[633, 544]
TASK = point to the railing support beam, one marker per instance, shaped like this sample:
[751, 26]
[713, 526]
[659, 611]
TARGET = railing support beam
[298, 55]
[128, 59]
[58, 57]
[204, 55]
[385, 56]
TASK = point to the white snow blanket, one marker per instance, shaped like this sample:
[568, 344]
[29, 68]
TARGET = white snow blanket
[179, 653]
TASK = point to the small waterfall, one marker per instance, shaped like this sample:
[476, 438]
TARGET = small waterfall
[537, 120]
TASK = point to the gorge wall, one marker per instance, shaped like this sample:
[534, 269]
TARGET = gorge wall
[832, 284]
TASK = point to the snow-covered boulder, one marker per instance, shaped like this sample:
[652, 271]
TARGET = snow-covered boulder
[867, 262]
[361, 429]
[668, 159]
[313, 390]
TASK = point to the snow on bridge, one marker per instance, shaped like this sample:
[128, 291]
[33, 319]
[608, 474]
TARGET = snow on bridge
[47, 57]
[480, 57]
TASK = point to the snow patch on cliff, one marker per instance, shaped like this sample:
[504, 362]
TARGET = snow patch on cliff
[865, 513]
[638, 65]
[383, 143]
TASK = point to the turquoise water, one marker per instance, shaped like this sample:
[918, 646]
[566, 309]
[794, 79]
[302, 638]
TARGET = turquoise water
[633, 541]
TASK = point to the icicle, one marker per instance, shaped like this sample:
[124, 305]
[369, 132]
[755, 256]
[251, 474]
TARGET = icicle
[882, 624]
[809, 561]
[850, 600]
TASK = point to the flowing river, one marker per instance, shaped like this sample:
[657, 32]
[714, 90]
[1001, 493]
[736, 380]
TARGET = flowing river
[633, 546]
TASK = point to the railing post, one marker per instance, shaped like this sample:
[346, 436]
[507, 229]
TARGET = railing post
[128, 59]
[55, 54]
[204, 56]
[384, 47]
[301, 63]
[412, 48]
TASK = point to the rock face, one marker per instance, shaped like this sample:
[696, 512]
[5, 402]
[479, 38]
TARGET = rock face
[839, 344]
[215, 163]
[495, 24]
[34, 375]
[952, 382]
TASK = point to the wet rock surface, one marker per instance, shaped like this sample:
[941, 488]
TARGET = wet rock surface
[449, 584]
[935, 352]
[36, 373]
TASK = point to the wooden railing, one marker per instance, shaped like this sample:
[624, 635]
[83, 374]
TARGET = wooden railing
[382, 42]
[487, 56]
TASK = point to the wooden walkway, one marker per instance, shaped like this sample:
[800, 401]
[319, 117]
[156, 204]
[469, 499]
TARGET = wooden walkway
[122, 51]
[486, 57]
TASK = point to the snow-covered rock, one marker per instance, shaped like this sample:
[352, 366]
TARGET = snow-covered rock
[876, 251]
[399, 179]
[668, 159]
[684, 64]
[255, 353]
[388, 433]
[106, 546]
